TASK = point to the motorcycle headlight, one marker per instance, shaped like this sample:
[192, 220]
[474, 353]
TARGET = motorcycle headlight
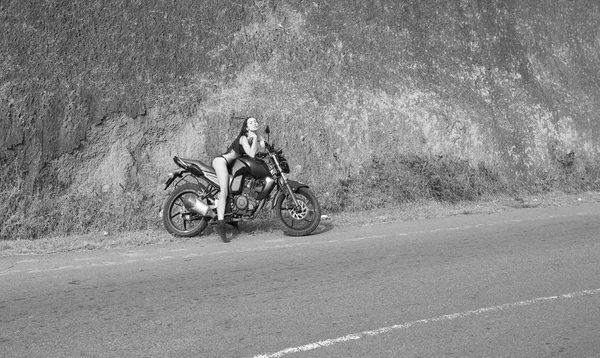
[285, 167]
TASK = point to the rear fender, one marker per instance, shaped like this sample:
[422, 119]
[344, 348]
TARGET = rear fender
[172, 177]
[189, 176]
[187, 168]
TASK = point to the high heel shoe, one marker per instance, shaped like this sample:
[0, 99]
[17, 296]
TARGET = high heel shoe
[220, 230]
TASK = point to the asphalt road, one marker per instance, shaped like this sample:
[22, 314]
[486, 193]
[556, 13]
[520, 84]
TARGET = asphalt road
[523, 283]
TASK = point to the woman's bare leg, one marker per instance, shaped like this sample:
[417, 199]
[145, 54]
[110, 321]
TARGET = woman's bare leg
[220, 165]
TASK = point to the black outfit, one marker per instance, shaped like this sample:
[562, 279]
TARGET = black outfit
[235, 150]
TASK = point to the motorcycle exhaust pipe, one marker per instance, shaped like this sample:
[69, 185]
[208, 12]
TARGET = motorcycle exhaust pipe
[196, 206]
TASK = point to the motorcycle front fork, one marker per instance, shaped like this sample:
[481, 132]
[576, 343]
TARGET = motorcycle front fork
[290, 191]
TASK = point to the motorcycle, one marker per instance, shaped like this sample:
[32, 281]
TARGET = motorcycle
[253, 182]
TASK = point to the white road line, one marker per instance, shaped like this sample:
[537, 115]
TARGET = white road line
[9, 272]
[449, 317]
[27, 261]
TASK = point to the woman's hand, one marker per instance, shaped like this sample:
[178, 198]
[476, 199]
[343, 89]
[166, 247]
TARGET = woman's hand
[250, 143]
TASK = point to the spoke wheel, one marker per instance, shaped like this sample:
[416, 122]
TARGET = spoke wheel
[301, 219]
[177, 219]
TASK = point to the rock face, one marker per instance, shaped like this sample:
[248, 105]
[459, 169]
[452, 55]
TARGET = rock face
[98, 96]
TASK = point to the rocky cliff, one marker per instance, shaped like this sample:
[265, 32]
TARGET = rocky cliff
[97, 96]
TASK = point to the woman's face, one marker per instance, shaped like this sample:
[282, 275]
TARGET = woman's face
[252, 124]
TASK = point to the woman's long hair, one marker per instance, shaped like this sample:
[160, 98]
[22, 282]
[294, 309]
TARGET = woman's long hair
[244, 129]
[235, 145]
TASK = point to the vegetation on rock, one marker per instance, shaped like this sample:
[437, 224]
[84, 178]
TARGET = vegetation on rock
[378, 102]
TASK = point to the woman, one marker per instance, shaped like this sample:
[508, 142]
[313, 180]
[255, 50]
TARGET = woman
[246, 143]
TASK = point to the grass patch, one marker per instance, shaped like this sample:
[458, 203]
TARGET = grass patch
[409, 179]
[42, 214]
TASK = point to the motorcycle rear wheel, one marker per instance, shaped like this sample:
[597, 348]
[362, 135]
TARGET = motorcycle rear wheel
[177, 219]
[301, 220]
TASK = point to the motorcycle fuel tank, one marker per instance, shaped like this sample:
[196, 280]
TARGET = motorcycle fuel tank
[249, 165]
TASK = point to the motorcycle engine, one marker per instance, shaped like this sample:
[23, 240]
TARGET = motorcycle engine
[246, 203]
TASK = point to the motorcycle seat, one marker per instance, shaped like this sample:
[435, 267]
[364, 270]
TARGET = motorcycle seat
[205, 167]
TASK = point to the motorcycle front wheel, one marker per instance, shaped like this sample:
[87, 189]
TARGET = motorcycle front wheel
[302, 219]
[177, 219]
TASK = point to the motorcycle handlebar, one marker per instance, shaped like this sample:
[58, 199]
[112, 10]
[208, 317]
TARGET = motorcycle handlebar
[271, 148]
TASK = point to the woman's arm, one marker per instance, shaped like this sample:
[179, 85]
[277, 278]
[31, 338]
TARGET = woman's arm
[250, 149]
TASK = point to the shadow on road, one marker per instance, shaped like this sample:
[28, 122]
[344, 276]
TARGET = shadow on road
[323, 228]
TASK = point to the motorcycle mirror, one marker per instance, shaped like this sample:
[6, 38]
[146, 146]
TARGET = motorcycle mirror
[267, 131]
